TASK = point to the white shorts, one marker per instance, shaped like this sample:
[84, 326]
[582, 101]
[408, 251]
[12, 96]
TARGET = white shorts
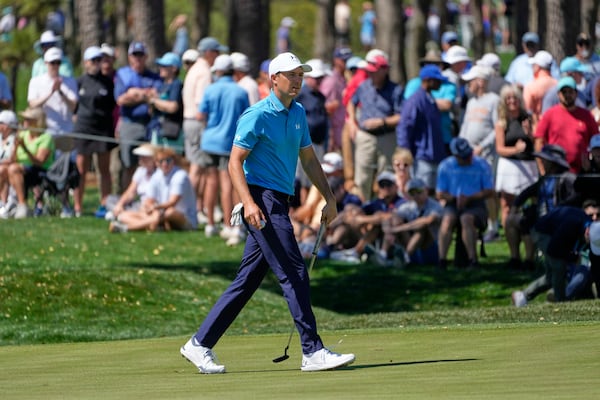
[513, 176]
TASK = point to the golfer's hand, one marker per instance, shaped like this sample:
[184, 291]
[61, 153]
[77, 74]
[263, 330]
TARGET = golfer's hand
[254, 215]
[328, 213]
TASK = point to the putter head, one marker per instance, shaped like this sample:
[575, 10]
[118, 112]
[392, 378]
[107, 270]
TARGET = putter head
[280, 359]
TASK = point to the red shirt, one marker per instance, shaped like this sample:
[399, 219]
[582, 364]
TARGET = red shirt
[571, 130]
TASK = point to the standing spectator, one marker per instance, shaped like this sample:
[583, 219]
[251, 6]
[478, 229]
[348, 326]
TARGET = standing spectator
[196, 81]
[57, 95]
[496, 82]
[419, 129]
[586, 55]
[368, 23]
[133, 85]
[223, 103]
[263, 80]
[464, 182]
[188, 58]
[333, 87]
[241, 74]
[449, 39]
[535, 90]
[478, 125]
[569, 66]
[47, 41]
[520, 71]
[283, 41]
[94, 117]
[6, 99]
[459, 59]
[567, 125]
[262, 167]
[182, 38]
[373, 113]
[342, 16]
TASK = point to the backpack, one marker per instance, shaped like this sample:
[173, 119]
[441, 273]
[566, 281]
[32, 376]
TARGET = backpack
[63, 173]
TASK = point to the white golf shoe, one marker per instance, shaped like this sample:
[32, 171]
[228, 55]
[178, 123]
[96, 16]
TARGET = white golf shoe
[202, 357]
[325, 359]
[519, 299]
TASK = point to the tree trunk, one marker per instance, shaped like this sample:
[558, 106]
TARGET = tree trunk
[589, 11]
[391, 36]
[559, 40]
[89, 15]
[324, 39]
[149, 25]
[122, 32]
[249, 30]
[520, 25]
[201, 20]
[417, 35]
[479, 39]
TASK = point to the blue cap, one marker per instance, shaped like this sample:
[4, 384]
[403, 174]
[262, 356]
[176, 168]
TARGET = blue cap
[594, 142]
[137, 47]
[169, 60]
[92, 52]
[210, 43]
[264, 66]
[459, 147]
[566, 81]
[449, 36]
[531, 37]
[572, 64]
[431, 71]
[352, 62]
[342, 52]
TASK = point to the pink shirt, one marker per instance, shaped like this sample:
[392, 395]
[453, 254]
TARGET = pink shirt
[197, 79]
[534, 91]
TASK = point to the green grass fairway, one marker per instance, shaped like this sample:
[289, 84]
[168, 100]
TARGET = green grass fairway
[505, 362]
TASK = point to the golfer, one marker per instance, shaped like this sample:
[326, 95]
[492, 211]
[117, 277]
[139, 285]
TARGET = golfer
[270, 136]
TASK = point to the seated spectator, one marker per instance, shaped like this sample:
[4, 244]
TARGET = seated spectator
[464, 182]
[34, 154]
[138, 190]
[554, 188]
[560, 235]
[171, 201]
[8, 130]
[414, 226]
[402, 161]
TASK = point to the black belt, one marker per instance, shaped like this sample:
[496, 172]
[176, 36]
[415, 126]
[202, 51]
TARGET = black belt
[280, 195]
[378, 131]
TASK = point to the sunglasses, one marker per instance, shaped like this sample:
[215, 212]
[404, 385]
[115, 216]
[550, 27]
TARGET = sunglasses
[96, 59]
[413, 192]
[57, 62]
[136, 54]
[167, 160]
[385, 184]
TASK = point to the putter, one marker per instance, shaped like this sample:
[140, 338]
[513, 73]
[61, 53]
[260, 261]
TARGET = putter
[315, 251]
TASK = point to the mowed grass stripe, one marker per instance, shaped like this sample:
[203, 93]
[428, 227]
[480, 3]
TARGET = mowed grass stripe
[550, 362]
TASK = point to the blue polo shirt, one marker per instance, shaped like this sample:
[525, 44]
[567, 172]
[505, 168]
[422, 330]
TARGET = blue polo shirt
[274, 136]
[223, 103]
[467, 180]
[127, 78]
[377, 103]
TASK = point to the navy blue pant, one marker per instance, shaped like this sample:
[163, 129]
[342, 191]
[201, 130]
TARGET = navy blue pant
[273, 247]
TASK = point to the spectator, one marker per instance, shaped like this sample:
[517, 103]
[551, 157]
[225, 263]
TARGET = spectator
[166, 104]
[495, 82]
[464, 183]
[107, 64]
[587, 56]
[567, 125]
[516, 167]
[222, 104]
[263, 80]
[6, 98]
[8, 137]
[47, 41]
[413, 227]
[419, 129]
[182, 38]
[188, 58]
[196, 81]
[35, 153]
[458, 59]
[332, 87]
[95, 118]
[241, 74]
[520, 71]
[449, 39]
[368, 23]
[560, 235]
[402, 161]
[569, 66]
[342, 16]
[536, 89]
[554, 188]
[170, 204]
[373, 113]
[133, 86]
[283, 40]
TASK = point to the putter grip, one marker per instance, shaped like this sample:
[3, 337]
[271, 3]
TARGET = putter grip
[320, 235]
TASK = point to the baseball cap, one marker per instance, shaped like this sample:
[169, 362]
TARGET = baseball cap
[53, 54]
[9, 118]
[459, 147]
[210, 43]
[92, 52]
[386, 176]
[318, 68]
[476, 71]
[264, 66]
[352, 62]
[566, 81]
[288, 22]
[169, 60]
[583, 38]
[490, 60]
[223, 62]
[414, 184]
[240, 62]
[432, 71]
[449, 36]
[332, 162]
[530, 37]
[285, 62]
[456, 54]
[376, 63]
[342, 52]
[542, 58]
[373, 53]
[572, 64]
[49, 37]
[190, 55]
[594, 142]
[595, 238]
[144, 150]
[107, 50]
[137, 47]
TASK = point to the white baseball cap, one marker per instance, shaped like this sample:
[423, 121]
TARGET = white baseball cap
[332, 162]
[190, 55]
[49, 37]
[285, 62]
[222, 63]
[477, 71]
[490, 60]
[53, 54]
[456, 54]
[107, 50]
[9, 118]
[542, 58]
[240, 61]
[318, 68]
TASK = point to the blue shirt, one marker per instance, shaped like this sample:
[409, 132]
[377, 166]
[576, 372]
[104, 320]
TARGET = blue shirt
[464, 179]
[375, 205]
[127, 78]
[274, 136]
[5, 93]
[223, 103]
[313, 103]
[377, 103]
[420, 128]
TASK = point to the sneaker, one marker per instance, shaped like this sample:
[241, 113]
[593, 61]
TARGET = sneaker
[211, 230]
[109, 216]
[67, 212]
[349, 256]
[21, 211]
[401, 257]
[117, 227]
[491, 236]
[519, 299]
[8, 210]
[202, 357]
[202, 218]
[101, 212]
[218, 214]
[381, 259]
[227, 232]
[38, 211]
[325, 359]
